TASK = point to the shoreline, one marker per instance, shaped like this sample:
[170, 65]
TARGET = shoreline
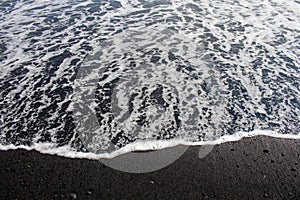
[256, 167]
[144, 146]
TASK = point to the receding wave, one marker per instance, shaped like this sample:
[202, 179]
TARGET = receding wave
[101, 78]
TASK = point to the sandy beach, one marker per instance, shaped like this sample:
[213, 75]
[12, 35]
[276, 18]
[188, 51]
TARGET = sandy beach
[252, 168]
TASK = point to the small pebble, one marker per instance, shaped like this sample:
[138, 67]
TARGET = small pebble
[204, 194]
[293, 169]
[89, 193]
[266, 151]
[73, 196]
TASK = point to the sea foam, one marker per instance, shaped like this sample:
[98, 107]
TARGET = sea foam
[107, 76]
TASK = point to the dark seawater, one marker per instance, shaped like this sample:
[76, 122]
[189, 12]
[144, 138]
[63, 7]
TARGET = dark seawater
[97, 75]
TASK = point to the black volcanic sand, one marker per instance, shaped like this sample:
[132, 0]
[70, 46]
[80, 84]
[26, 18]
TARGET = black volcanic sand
[252, 168]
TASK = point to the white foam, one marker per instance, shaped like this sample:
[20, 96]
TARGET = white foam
[66, 151]
[256, 16]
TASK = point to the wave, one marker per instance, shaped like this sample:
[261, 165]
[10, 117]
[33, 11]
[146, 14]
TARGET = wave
[67, 151]
[99, 76]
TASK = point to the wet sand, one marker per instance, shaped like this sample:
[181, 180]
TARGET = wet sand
[252, 168]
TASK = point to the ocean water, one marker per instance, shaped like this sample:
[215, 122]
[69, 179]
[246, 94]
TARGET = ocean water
[92, 78]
